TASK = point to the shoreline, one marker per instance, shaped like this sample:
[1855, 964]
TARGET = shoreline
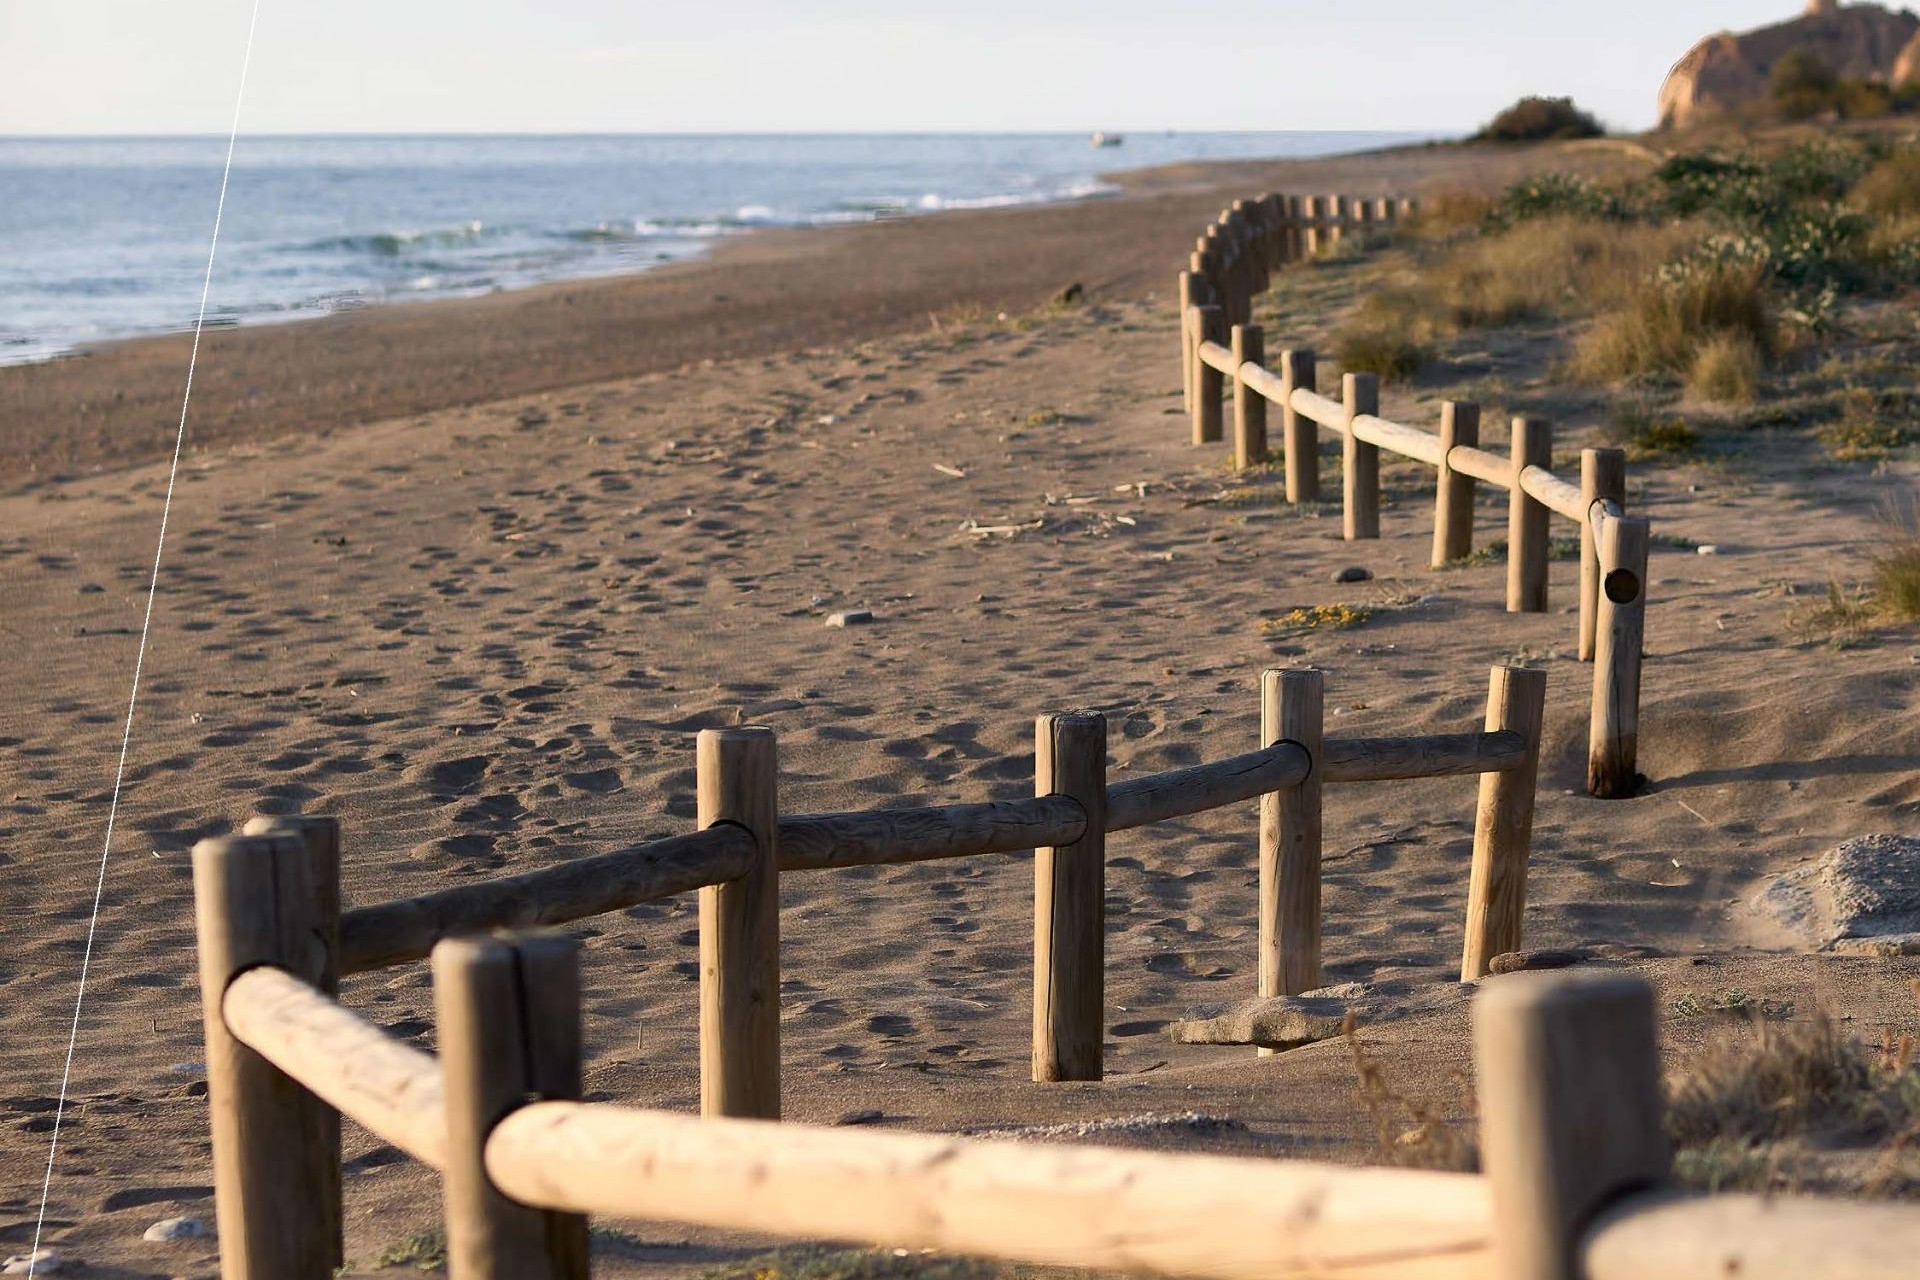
[778, 289]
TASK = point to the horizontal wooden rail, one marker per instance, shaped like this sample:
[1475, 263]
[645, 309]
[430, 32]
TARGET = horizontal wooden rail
[1179, 793]
[823, 840]
[1556, 494]
[1317, 408]
[390, 1088]
[1219, 357]
[393, 932]
[1265, 383]
[1439, 756]
[1409, 441]
[1187, 1215]
[1662, 1236]
[1481, 465]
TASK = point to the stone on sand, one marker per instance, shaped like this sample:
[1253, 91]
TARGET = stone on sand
[850, 618]
[41, 1262]
[1533, 961]
[187, 1227]
[1862, 895]
[1354, 573]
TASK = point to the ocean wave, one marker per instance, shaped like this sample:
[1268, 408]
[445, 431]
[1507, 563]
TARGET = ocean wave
[392, 244]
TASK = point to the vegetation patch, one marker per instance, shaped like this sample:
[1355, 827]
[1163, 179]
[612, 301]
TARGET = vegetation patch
[815, 1262]
[1536, 119]
[1319, 617]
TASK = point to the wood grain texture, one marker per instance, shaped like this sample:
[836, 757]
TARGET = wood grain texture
[1613, 732]
[1069, 904]
[1209, 386]
[1503, 824]
[1114, 1211]
[1436, 756]
[1293, 711]
[1178, 793]
[740, 929]
[1571, 1113]
[1527, 519]
[1453, 494]
[820, 841]
[390, 933]
[1249, 408]
[508, 1014]
[1300, 436]
[389, 1088]
[1662, 1236]
[1603, 478]
[1360, 470]
[256, 903]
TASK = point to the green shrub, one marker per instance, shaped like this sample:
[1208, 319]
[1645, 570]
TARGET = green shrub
[1535, 119]
[1800, 84]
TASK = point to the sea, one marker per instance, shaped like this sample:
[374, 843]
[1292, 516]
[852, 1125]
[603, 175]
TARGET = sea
[104, 238]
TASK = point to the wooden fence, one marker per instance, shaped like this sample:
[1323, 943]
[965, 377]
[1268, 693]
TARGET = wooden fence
[1231, 264]
[274, 943]
[1571, 1134]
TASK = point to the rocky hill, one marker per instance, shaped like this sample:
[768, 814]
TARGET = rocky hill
[1727, 72]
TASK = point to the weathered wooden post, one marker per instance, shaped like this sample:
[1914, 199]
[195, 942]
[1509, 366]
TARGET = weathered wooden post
[1192, 292]
[508, 1014]
[1276, 220]
[1311, 231]
[1503, 824]
[275, 1154]
[1209, 383]
[1249, 406]
[1292, 709]
[1296, 238]
[1300, 434]
[1360, 474]
[1336, 208]
[1527, 519]
[1069, 904]
[1567, 1072]
[321, 835]
[1453, 497]
[1613, 742]
[1603, 478]
[737, 782]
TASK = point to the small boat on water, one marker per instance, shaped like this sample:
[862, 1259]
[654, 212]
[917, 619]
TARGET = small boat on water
[1107, 139]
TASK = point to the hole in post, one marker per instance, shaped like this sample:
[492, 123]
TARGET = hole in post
[1622, 586]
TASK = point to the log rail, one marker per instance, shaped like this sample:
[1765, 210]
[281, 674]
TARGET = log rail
[1223, 355]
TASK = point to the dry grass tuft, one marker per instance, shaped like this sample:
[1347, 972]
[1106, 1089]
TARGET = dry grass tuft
[1666, 323]
[1774, 1083]
[823, 1262]
[1380, 349]
[1408, 1132]
[1896, 568]
[1726, 369]
[1449, 213]
[1891, 189]
[1841, 618]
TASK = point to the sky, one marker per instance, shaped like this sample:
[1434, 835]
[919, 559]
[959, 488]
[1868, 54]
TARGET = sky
[652, 66]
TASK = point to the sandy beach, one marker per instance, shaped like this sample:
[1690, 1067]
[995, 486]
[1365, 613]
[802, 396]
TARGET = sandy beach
[471, 575]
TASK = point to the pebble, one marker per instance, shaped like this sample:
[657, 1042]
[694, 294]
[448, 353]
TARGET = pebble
[41, 1262]
[1354, 573]
[1707, 549]
[849, 617]
[866, 1116]
[187, 1228]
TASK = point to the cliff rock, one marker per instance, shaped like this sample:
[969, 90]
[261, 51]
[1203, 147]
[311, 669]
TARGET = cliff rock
[1729, 71]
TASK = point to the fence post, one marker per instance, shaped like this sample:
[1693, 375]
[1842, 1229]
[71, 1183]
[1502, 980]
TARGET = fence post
[1503, 824]
[1249, 406]
[508, 1015]
[1453, 497]
[322, 839]
[1527, 520]
[1567, 1071]
[1603, 477]
[274, 1170]
[1209, 384]
[1193, 292]
[1292, 709]
[1300, 433]
[1336, 207]
[1069, 904]
[1360, 472]
[737, 782]
[1613, 742]
[1310, 229]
